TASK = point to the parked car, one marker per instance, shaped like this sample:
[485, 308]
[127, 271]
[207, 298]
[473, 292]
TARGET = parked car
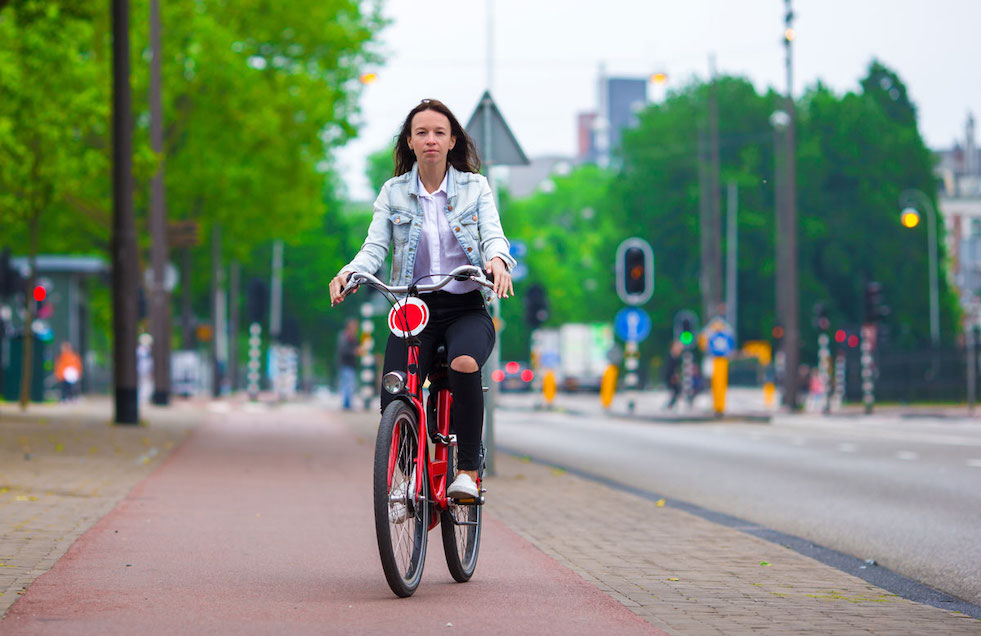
[514, 376]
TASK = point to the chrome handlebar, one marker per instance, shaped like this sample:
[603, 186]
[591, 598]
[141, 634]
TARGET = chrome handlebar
[467, 271]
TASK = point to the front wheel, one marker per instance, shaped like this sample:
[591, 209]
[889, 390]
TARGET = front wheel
[401, 518]
[460, 525]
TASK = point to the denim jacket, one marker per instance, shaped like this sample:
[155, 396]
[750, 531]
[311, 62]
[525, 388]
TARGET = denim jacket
[397, 221]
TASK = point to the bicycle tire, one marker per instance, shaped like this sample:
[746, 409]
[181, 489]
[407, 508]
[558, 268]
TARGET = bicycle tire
[402, 533]
[461, 543]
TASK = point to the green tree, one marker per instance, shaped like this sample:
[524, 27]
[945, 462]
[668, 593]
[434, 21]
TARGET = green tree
[571, 242]
[52, 105]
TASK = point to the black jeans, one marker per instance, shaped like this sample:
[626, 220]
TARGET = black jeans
[463, 324]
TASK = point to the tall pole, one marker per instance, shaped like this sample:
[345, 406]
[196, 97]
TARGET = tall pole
[233, 312]
[159, 294]
[187, 327]
[704, 226]
[276, 318]
[715, 204]
[218, 331]
[918, 200]
[732, 256]
[125, 264]
[791, 326]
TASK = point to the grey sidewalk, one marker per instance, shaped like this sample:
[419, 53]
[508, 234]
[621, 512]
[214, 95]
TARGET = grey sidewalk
[685, 574]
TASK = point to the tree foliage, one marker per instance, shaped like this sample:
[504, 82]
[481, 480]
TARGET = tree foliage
[256, 97]
[855, 153]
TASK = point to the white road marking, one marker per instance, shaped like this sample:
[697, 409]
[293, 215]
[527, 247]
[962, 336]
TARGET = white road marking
[907, 455]
[847, 447]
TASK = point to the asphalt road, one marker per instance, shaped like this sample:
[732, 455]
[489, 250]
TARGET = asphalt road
[905, 492]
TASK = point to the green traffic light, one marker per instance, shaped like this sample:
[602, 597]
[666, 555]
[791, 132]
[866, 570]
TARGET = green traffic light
[686, 338]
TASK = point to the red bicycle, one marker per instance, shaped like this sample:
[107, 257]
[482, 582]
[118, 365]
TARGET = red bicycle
[415, 452]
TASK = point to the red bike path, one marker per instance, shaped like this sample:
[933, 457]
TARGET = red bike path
[262, 523]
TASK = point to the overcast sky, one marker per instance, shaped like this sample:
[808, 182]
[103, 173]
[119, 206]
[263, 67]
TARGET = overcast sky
[547, 54]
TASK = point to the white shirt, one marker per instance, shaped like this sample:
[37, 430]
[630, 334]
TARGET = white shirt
[439, 250]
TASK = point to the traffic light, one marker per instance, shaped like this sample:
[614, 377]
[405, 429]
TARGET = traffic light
[40, 294]
[536, 306]
[685, 328]
[256, 301]
[11, 281]
[875, 308]
[686, 335]
[821, 320]
[635, 271]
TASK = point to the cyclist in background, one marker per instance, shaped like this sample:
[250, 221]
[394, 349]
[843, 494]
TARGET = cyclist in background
[438, 213]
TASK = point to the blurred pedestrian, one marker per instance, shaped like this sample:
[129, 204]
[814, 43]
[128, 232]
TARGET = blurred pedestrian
[348, 350]
[68, 371]
[438, 213]
[672, 373]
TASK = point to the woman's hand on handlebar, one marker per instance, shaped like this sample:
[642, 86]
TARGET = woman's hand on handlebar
[337, 285]
[502, 279]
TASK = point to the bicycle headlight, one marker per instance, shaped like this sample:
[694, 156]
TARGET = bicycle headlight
[394, 382]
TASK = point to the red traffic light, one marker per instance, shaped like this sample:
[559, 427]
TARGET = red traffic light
[40, 293]
[853, 341]
[777, 332]
[840, 336]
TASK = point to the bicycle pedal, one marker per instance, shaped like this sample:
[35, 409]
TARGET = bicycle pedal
[471, 501]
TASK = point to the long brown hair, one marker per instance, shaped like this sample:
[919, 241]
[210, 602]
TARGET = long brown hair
[462, 156]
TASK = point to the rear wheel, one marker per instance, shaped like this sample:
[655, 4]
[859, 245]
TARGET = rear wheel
[401, 519]
[460, 525]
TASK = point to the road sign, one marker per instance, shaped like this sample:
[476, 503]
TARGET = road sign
[519, 272]
[518, 249]
[182, 234]
[721, 343]
[632, 324]
[720, 337]
[490, 133]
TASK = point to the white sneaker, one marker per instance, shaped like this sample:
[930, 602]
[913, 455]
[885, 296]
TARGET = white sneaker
[463, 487]
[398, 512]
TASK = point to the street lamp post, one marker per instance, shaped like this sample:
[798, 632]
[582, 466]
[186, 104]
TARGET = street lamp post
[911, 201]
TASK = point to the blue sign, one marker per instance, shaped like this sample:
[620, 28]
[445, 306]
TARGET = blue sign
[721, 343]
[632, 324]
[518, 249]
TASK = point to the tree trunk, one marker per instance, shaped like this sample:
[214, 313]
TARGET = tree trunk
[28, 346]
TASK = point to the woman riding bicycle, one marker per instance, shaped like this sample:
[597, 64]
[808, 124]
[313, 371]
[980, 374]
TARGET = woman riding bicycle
[438, 213]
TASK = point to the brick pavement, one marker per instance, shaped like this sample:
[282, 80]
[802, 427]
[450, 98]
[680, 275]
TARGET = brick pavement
[688, 575]
[62, 468]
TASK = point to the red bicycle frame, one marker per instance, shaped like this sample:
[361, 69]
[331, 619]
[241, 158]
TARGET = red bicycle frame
[438, 466]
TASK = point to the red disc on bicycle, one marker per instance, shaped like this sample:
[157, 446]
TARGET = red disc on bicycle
[408, 317]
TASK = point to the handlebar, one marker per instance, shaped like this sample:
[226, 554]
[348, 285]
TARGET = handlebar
[464, 272]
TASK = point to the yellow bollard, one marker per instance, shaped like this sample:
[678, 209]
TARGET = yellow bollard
[769, 394]
[549, 387]
[720, 382]
[608, 387]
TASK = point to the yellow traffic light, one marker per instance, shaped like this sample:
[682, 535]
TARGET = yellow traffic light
[659, 78]
[910, 218]
[789, 35]
[368, 78]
